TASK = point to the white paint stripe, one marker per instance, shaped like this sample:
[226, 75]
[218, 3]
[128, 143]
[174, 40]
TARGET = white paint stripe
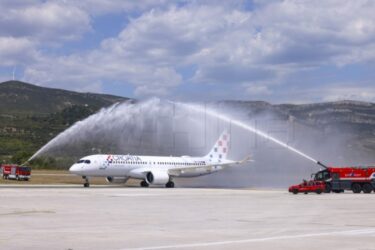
[137, 195]
[282, 237]
[53, 175]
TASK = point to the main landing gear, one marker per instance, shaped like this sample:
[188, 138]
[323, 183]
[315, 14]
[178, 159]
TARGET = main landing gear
[87, 183]
[144, 184]
[170, 184]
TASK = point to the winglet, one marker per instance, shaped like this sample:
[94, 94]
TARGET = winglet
[246, 159]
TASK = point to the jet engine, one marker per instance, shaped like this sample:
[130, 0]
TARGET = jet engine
[157, 177]
[111, 179]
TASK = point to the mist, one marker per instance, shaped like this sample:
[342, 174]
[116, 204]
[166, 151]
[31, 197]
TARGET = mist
[157, 127]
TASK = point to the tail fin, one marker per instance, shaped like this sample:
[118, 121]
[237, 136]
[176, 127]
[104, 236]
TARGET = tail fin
[220, 149]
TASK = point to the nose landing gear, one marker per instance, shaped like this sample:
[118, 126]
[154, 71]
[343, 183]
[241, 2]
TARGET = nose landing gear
[87, 183]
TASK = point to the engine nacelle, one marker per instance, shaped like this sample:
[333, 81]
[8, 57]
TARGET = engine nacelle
[111, 179]
[157, 177]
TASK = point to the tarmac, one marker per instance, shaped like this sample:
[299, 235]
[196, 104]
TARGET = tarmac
[72, 217]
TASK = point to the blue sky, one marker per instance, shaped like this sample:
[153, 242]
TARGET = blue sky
[277, 51]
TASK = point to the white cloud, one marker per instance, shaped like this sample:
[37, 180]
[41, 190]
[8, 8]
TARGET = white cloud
[225, 44]
[319, 32]
[44, 22]
[77, 72]
[16, 50]
[30, 26]
[349, 93]
[101, 7]
[256, 90]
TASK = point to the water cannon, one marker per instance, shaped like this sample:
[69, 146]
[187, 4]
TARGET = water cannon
[25, 163]
[321, 164]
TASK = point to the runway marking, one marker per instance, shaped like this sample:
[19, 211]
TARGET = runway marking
[29, 212]
[137, 195]
[283, 237]
[54, 175]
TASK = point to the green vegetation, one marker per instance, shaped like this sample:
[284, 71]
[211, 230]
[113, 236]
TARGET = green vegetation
[30, 116]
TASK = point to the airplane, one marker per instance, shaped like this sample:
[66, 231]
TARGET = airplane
[155, 170]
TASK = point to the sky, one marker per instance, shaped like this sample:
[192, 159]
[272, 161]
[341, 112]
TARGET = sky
[293, 51]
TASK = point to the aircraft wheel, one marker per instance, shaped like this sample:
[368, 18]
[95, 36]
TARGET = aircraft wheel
[86, 185]
[367, 188]
[144, 184]
[170, 184]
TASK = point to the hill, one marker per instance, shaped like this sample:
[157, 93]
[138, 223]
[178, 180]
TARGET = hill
[353, 117]
[31, 115]
[348, 123]
[23, 98]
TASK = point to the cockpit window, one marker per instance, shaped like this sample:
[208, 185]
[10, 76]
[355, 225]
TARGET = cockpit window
[87, 161]
[80, 161]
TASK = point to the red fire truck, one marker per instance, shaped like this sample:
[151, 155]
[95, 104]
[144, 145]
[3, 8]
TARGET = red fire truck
[15, 172]
[308, 187]
[338, 179]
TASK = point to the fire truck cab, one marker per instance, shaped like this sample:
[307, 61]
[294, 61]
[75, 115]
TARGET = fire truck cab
[338, 179]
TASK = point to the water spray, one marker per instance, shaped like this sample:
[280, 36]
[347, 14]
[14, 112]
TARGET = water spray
[228, 119]
[117, 116]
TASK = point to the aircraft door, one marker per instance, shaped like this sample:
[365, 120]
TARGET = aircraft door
[104, 165]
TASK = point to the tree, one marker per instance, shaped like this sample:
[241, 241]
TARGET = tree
[20, 157]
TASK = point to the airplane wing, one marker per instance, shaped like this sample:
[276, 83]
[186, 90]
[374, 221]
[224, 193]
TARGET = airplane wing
[209, 168]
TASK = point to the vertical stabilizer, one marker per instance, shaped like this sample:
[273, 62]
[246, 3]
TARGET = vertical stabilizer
[220, 149]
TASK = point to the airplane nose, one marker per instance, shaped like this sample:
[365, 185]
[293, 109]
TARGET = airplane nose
[75, 169]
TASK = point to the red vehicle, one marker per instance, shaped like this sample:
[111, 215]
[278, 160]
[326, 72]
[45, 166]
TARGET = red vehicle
[308, 187]
[338, 179]
[15, 172]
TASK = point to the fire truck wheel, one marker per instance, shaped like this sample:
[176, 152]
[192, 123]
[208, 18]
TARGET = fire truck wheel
[356, 188]
[318, 191]
[367, 188]
[328, 188]
[306, 192]
[295, 191]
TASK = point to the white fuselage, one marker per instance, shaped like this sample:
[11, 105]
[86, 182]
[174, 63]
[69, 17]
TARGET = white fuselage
[128, 165]
[156, 170]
